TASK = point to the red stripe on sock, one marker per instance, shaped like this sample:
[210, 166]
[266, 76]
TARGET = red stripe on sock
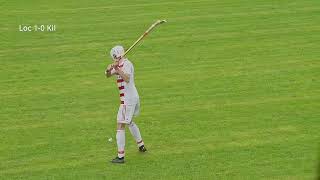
[139, 142]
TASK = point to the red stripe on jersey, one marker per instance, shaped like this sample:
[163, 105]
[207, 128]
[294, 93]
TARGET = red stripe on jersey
[122, 94]
[119, 80]
[121, 87]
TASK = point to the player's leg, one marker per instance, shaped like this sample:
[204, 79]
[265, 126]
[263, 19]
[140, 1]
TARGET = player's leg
[121, 141]
[120, 136]
[137, 136]
[134, 129]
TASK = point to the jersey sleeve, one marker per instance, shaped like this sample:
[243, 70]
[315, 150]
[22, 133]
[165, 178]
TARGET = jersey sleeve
[128, 68]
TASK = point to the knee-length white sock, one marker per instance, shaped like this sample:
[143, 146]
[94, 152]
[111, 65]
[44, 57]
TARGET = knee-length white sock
[136, 133]
[121, 141]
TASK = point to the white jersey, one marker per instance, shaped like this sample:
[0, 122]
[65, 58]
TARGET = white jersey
[127, 91]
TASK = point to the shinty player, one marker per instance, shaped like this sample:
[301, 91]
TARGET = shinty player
[123, 69]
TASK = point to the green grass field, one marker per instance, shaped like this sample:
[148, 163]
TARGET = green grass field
[229, 89]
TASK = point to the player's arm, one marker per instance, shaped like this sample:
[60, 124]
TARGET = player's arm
[108, 72]
[124, 76]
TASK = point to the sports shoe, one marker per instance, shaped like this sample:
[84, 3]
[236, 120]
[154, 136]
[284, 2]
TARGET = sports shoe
[118, 160]
[142, 149]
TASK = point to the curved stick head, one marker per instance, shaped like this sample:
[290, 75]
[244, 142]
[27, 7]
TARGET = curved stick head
[160, 22]
[163, 21]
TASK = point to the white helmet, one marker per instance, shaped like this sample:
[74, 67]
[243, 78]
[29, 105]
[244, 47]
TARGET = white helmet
[116, 52]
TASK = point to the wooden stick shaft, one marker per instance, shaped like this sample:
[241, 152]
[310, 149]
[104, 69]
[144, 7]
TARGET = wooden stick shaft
[140, 38]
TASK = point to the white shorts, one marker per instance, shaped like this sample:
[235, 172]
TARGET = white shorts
[126, 112]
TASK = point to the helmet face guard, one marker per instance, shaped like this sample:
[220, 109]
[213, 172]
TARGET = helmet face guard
[116, 52]
[114, 57]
